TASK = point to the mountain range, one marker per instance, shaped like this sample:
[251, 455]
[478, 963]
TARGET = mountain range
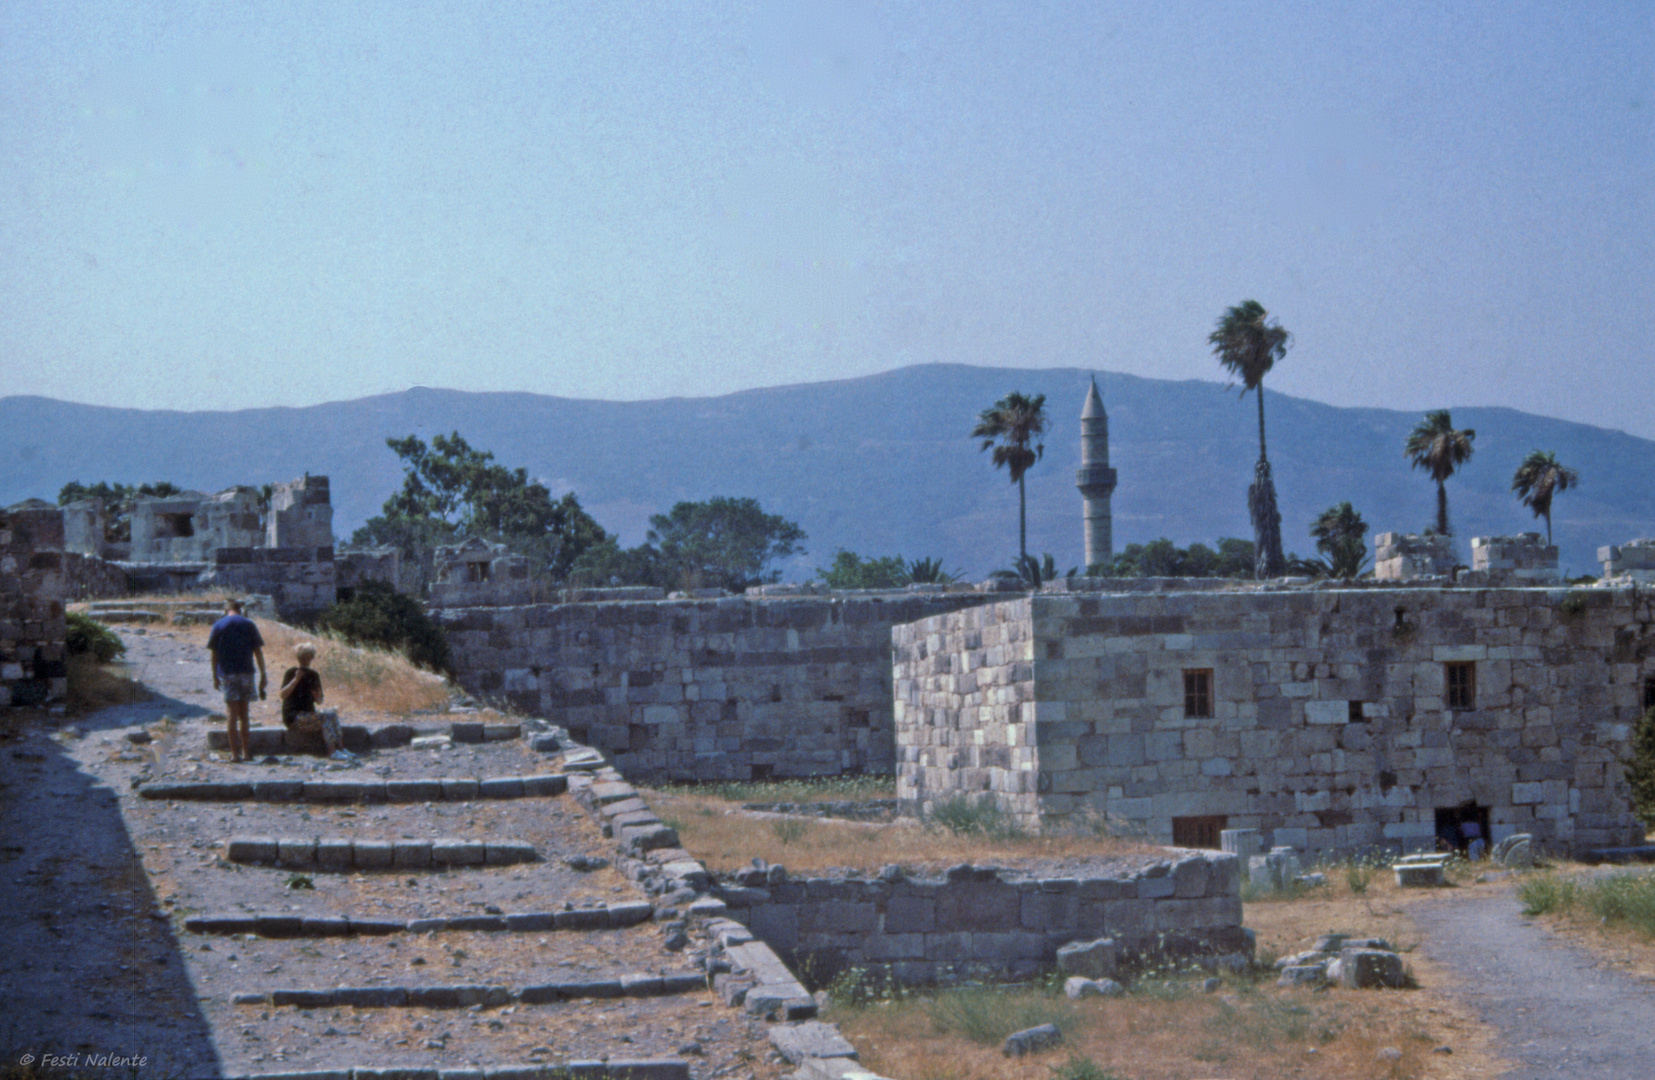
[878, 465]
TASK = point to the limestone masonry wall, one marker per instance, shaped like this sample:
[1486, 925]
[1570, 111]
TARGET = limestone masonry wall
[32, 628]
[1334, 720]
[736, 688]
[979, 922]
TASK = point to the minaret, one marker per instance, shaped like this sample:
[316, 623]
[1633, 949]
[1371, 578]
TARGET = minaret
[1095, 479]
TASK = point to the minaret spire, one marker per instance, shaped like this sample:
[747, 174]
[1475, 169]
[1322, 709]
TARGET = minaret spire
[1095, 479]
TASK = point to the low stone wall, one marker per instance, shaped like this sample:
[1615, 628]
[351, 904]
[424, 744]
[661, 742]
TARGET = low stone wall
[299, 579]
[1523, 559]
[1404, 556]
[731, 689]
[1332, 720]
[987, 922]
[1631, 561]
[86, 577]
[32, 628]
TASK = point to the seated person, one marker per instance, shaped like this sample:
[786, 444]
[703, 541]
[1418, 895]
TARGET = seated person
[301, 693]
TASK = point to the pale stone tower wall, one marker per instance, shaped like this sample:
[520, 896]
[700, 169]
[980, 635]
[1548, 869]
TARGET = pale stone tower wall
[1095, 479]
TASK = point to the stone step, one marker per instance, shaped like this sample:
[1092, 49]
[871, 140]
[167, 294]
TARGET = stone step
[476, 732]
[447, 789]
[125, 615]
[573, 1069]
[357, 737]
[464, 996]
[346, 854]
[608, 917]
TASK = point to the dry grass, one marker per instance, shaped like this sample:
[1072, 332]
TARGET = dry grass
[94, 686]
[726, 839]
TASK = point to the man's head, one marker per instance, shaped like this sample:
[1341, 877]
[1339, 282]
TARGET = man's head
[233, 606]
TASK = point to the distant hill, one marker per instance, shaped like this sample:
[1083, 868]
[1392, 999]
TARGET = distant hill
[880, 464]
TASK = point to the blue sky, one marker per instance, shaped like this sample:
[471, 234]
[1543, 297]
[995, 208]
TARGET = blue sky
[213, 206]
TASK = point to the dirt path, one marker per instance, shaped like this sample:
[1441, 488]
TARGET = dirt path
[1560, 1013]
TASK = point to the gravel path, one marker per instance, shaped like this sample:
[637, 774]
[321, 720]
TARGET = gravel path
[1560, 1013]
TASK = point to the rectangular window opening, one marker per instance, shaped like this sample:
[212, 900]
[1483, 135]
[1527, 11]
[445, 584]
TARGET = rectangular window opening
[1198, 692]
[1198, 832]
[1460, 678]
[1355, 714]
[1649, 693]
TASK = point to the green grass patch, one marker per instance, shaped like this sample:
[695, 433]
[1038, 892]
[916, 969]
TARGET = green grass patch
[800, 790]
[987, 1015]
[1619, 899]
[964, 816]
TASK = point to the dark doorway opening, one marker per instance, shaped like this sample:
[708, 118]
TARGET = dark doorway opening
[1198, 832]
[1452, 834]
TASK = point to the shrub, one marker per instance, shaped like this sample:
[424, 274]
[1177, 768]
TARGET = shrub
[1640, 768]
[963, 817]
[379, 615]
[87, 636]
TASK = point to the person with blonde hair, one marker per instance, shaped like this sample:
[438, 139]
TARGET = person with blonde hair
[301, 694]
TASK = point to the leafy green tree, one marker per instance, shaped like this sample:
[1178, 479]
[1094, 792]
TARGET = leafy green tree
[1538, 478]
[1008, 428]
[1437, 448]
[378, 615]
[852, 571]
[1162, 558]
[451, 491]
[1248, 344]
[1340, 536]
[722, 543]
[607, 564]
[1640, 767]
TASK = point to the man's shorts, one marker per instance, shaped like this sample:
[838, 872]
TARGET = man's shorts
[240, 687]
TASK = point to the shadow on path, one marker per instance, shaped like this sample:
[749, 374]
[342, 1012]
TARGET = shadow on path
[1559, 1013]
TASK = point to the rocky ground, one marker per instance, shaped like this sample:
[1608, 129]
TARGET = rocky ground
[99, 887]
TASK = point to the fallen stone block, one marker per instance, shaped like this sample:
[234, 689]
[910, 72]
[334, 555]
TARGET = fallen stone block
[1515, 852]
[629, 913]
[583, 759]
[388, 735]
[595, 918]
[278, 926]
[1302, 975]
[1077, 987]
[501, 732]
[813, 1038]
[1420, 875]
[1362, 969]
[1032, 1040]
[1096, 959]
[545, 744]
[221, 924]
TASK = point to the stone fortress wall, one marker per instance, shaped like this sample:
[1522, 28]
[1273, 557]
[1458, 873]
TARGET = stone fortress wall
[32, 629]
[1333, 720]
[718, 689]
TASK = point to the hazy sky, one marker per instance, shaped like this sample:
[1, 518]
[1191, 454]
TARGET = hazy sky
[220, 205]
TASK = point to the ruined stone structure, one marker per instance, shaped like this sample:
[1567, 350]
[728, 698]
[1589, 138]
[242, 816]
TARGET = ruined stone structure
[1332, 720]
[32, 628]
[301, 515]
[1631, 561]
[736, 688]
[1405, 557]
[983, 923]
[1096, 480]
[1523, 559]
[477, 573]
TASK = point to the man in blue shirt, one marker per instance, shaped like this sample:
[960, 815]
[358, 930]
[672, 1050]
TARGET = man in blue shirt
[235, 646]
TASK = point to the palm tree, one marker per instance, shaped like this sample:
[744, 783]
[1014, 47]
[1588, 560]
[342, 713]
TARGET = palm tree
[1007, 429]
[1248, 345]
[1437, 448]
[1340, 532]
[1538, 479]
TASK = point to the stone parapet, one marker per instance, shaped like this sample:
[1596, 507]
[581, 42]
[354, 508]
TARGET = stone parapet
[1514, 560]
[1403, 556]
[730, 689]
[975, 923]
[1631, 561]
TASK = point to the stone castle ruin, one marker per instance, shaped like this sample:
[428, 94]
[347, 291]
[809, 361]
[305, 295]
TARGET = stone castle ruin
[1328, 717]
